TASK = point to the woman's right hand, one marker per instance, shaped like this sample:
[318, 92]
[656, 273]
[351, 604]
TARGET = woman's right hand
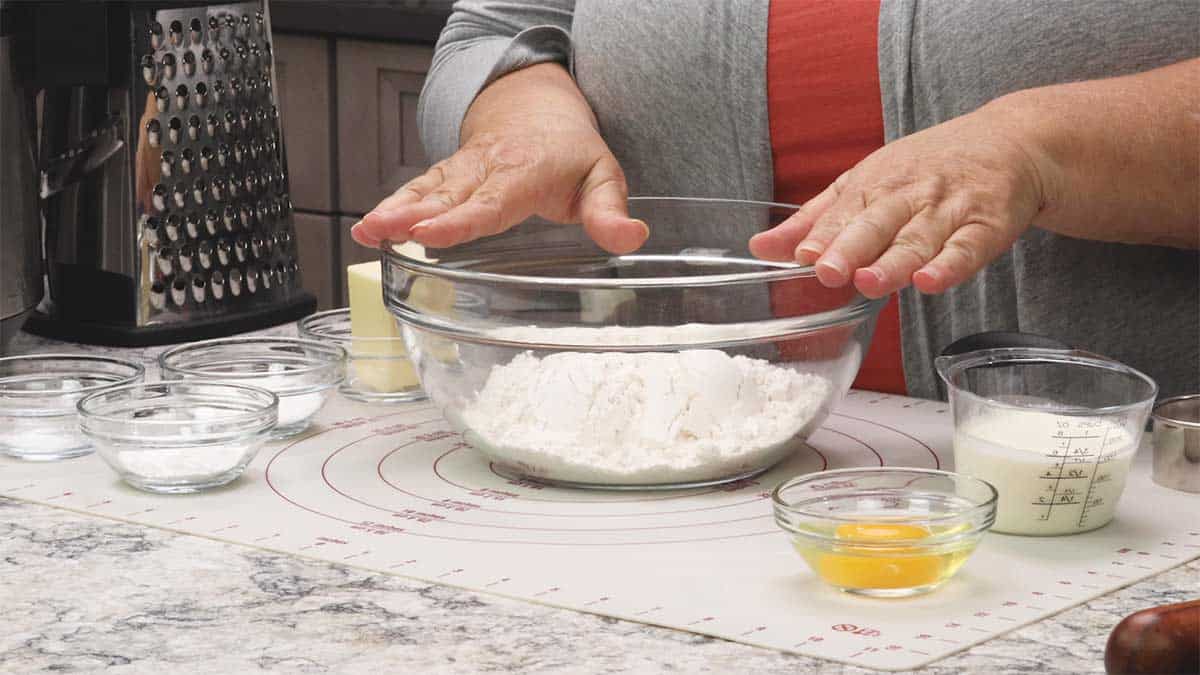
[530, 147]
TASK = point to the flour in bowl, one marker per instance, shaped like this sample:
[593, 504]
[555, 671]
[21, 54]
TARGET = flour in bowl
[643, 418]
[183, 463]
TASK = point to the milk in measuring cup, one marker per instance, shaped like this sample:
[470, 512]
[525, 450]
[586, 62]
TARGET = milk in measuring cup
[1056, 474]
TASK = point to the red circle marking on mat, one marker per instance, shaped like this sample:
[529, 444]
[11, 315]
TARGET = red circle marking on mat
[389, 483]
[860, 442]
[331, 486]
[281, 495]
[937, 463]
[407, 531]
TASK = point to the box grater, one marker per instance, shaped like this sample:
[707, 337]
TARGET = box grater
[164, 173]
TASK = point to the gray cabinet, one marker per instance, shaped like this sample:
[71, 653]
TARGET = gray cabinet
[349, 115]
[314, 241]
[302, 78]
[378, 145]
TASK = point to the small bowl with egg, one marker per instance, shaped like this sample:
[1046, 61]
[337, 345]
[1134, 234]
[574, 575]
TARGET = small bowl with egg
[885, 532]
[302, 373]
[178, 436]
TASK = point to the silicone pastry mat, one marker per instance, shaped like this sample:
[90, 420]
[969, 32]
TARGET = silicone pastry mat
[395, 490]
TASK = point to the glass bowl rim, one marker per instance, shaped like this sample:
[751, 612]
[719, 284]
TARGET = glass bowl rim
[766, 330]
[781, 271]
[965, 515]
[1161, 413]
[139, 371]
[338, 356]
[779, 329]
[1043, 355]
[270, 406]
[310, 332]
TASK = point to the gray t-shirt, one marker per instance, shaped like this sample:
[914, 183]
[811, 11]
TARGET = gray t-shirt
[679, 90]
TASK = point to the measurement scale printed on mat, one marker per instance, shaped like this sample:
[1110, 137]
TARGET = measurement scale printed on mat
[394, 489]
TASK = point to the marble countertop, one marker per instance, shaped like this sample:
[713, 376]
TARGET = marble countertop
[80, 593]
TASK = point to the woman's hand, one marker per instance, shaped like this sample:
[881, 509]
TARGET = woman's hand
[531, 147]
[1107, 160]
[930, 209]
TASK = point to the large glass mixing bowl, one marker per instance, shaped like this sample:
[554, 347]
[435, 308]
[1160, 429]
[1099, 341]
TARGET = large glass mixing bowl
[687, 363]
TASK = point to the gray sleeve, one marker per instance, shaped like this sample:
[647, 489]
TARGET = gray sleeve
[482, 41]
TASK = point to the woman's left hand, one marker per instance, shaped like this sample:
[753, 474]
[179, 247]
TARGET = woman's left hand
[930, 209]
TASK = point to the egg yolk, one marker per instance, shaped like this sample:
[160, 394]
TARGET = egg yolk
[866, 561]
[878, 533]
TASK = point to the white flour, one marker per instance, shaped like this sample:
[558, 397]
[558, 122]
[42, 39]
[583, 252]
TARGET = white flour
[177, 460]
[178, 464]
[296, 408]
[643, 418]
[43, 438]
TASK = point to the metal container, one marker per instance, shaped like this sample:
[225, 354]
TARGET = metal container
[1176, 423]
[167, 210]
[20, 222]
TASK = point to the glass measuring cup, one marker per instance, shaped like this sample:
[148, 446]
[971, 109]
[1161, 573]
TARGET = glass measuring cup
[1054, 430]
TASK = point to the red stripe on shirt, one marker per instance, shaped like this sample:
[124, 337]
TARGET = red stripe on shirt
[825, 115]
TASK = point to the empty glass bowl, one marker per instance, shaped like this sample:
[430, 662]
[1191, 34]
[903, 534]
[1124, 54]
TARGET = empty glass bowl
[303, 373]
[180, 436]
[688, 362]
[38, 394]
[885, 532]
[378, 369]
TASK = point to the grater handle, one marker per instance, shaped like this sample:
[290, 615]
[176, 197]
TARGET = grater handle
[62, 171]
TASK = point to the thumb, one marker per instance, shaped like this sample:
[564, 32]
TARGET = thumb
[604, 210]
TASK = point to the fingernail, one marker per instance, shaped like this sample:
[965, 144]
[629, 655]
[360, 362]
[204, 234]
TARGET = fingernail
[420, 227]
[645, 229]
[808, 253]
[835, 264]
[358, 233]
[875, 272]
[931, 273]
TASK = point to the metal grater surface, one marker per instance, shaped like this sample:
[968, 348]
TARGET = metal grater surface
[214, 216]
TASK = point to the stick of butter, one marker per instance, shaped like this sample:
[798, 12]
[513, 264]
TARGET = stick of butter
[382, 365]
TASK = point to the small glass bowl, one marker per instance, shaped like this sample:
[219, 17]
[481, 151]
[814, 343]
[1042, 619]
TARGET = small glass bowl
[181, 436]
[303, 373]
[37, 401]
[378, 369]
[885, 532]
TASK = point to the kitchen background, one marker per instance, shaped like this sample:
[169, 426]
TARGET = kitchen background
[348, 77]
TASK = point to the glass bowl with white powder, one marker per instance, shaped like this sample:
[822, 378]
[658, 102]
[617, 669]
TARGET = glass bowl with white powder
[302, 373]
[38, 394]
[179, 436]
[686, 363]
